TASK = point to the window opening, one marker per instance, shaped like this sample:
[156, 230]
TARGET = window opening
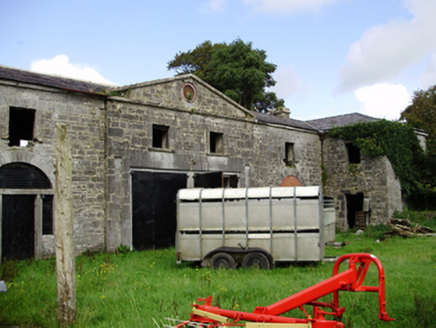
[289, 153]
[216, 143]
[212, 179]
[47, 214]
[21, 126]
[160, 136]
[230, 180]
[353, 153]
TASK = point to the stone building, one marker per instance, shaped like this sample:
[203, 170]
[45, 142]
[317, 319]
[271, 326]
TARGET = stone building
[134, 147]
[366, 190]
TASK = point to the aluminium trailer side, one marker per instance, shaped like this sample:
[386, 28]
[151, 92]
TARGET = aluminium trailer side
[284, 223]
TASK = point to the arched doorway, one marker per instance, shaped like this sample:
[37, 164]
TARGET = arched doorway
[26, 210]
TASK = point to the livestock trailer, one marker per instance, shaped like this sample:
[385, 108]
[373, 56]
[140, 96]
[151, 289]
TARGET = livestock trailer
[247, 227]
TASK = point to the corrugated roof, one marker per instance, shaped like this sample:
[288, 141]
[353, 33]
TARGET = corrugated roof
[325, 124]
[18, 75]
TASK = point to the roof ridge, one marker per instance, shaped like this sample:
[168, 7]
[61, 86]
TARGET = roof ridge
[341, 115]
[49, 80]
[61, 77]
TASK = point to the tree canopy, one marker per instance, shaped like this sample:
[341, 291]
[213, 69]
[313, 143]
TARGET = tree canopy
[236, 69]
[421, 114]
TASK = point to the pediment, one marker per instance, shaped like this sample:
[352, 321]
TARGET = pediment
[188, 93]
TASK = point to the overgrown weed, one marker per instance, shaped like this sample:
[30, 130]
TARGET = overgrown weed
[424, 218]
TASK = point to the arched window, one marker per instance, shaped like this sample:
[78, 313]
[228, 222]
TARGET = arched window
[23, 176]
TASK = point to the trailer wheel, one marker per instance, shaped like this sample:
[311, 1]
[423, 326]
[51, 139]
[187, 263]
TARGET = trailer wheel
[256, 260]
[222, 261]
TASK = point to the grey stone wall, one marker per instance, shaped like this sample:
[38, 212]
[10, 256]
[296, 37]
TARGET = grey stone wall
[168, 93]
[267, 157]
[85, 119]
[374, 177]
[252, 150]
[113, 136]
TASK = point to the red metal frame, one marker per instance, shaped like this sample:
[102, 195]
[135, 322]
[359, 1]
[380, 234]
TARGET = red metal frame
[349, 280]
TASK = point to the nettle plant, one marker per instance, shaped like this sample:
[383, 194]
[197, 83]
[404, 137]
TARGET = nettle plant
[400, 144]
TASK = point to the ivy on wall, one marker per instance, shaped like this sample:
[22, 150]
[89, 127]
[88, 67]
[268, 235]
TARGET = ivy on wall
[400, 144]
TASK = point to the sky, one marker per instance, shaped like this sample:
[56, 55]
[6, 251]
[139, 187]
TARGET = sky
[333, 57]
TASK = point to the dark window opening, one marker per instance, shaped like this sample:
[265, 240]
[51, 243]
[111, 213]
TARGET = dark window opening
[208, 180]
[289, 153]
[230, 181]
[47, 214]
[353, 153]
[21, 125]
[160, 136]
[216, 143]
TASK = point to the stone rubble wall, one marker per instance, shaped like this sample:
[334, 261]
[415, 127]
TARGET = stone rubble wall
[253, 151]
[86, 128]
[168, 94]
[374, 177]
[113, 136]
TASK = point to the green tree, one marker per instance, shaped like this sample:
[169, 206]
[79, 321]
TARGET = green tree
[421, 114]
[236, 69]
[195, 61]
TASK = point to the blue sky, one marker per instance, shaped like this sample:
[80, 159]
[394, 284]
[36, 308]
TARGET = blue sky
[333, 56]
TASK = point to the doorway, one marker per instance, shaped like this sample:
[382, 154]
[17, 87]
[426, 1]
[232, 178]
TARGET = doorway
[354, 204]
[18, 237]
[22, 184]
[154, 208]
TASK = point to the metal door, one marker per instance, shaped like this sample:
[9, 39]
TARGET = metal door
[154, 208]
[18, 228]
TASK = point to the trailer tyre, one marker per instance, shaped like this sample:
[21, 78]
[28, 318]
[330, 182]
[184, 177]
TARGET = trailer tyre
[256, 260]
[222, 261]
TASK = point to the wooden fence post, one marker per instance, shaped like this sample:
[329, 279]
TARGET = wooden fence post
[64, 230]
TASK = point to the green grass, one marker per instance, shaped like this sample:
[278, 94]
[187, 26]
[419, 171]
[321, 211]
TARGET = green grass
[141, 289]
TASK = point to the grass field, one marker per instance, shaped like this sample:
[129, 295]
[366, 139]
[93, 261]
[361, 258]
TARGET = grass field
[142, 289]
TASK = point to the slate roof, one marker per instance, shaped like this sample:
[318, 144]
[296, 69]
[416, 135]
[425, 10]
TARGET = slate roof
[18, 75]
[272, 119]
[325, 124]
[322, 125]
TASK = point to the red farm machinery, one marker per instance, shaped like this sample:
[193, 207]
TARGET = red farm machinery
[351, 279]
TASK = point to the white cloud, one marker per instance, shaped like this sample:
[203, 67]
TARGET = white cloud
[288, 83]
[217, 5]
[288, 6]
[214, 6]
[61, 66]
[385, 51]
[428, 77]
[383, 100]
